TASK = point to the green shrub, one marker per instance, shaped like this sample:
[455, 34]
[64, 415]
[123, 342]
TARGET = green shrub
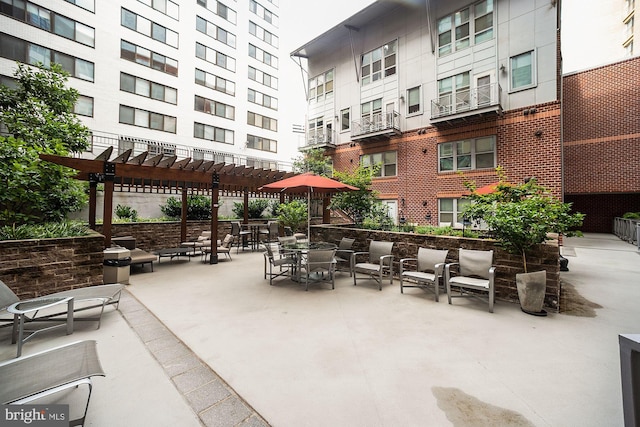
[47, 230]
[293, 214]
[198, 207]
[126, 212]
[631, 215]
[257, 208]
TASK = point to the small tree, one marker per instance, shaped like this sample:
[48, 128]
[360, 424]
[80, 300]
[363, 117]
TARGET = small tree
[293, 214]
[521, 216]
[357, 204]
[256, 208]
[313, 160]
[38, 114]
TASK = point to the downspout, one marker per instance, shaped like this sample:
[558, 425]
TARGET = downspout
[558, 4]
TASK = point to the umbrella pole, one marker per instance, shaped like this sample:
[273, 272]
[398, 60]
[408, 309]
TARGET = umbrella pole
[309, 215]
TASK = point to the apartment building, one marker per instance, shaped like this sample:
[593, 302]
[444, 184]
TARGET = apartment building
[196, 79]
[437, 93]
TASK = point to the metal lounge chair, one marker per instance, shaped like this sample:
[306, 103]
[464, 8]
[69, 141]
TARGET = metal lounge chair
[317, 262]
[27, 379]
[343, 254]
[285, 264]
[378, 265]
[429, 266]
[51, 307]
[475, 273]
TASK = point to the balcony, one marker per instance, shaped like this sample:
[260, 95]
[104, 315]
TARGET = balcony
[378, 126]
[318, 140]
[464, 104]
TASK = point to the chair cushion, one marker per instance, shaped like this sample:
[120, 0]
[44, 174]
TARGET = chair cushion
[420, 276]
[469, 282]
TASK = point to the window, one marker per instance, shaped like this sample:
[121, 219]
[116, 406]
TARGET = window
[263, 13]
[454, 31]
[523, 71]
[262, 99]
[450, 211]
[215, 32]
[263, 78]
[214, 57]
[263, 34]
[453, 93]
[214, 82]
[414, 105]
[142, 56]
[147, 119]
[219, 9]
[85, 4]
[215, 108]
[263, 144]
[151, 29]
[345, 119]
[478, 153]
[84, 106]
[263, 56]
[379, 63]
[387, 162]
[262, 164]
[143, 87]
[212, 133]
[321, 86]
[167, 7]
[261, 121]
[371, 115]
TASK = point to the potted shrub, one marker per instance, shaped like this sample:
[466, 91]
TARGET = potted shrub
[521, 217]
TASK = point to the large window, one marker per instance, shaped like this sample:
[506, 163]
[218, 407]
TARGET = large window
[143, 56]
[215, 82]
[215, 57]
[85, 4]
[84, 106]
[453, 93]
[263, 78]
[387, 161]
[214, 108]
[262, 99]
[219, 9]
[321, 86]
[263, 56]
[454, 31]
[262, 34]
[261, 121]
[215, 32]
[263, 144]
[149, 89]
[151, 29]
[523, 74]
[147, 119]
[212, 133]
[371, 115]
[168, 7]
[379, 63]
[20, 50]
[450, 212]
[263, 12]
[478, 153]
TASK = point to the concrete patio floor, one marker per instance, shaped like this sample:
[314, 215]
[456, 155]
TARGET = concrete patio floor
[200, 344]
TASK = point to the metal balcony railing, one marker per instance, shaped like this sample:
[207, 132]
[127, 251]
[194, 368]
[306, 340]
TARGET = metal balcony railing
[379, 124]
[319, 140]
[468, 102]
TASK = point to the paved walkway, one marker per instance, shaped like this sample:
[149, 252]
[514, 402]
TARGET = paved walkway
[356, 356]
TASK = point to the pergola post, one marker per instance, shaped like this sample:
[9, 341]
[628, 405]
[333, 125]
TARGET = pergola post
[215, 193]
[246, 205]
[109, 176]
[93, 195]
[183, 217]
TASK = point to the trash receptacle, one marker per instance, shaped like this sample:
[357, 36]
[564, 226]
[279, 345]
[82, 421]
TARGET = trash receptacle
[116, 265]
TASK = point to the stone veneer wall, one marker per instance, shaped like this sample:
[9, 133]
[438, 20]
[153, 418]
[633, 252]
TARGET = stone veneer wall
[545, 257]
[32, 268]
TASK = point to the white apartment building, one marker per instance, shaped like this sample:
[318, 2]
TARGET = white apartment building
[193, 78]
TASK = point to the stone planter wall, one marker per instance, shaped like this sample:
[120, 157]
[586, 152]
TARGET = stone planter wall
[33, 268]
[545, 257]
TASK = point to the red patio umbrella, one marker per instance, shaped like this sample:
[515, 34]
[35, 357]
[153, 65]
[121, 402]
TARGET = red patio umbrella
[490, 188]
[308, 183]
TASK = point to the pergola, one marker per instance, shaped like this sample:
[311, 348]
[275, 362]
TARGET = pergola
[166, 174]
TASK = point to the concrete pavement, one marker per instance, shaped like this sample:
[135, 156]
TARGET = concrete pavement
[357, 356]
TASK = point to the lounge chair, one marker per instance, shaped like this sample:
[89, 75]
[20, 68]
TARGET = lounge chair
[343, 254]
[475, 272]
[429, 266]
[51, 307]
[222, 248]
[27, 379]
[378, 265]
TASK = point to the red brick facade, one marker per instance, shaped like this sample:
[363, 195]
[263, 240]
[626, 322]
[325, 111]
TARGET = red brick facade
[602, 142]
[527, 144]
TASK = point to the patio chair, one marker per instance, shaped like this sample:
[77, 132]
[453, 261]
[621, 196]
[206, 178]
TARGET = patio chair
[271, 232]
[240, 237]
[223, 247]
[316, 263]
[50, 308]
[284, 241]
[378, 265]
[60, 369]
[343, 254]
[286, 264]
[429, 266]
[474, 272]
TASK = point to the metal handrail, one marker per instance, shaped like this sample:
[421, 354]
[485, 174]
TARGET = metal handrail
[627, 229]
[376, 123]
[466, 100]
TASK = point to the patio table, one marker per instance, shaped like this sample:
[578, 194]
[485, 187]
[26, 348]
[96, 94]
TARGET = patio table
[174, 252]
[300, 249]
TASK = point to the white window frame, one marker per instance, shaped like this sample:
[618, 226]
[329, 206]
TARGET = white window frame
[460, 38]
[367, 160]
[513, 70]
[473, 154]
[456, 212]
[384, 55]
[408, 101]
[345, 119]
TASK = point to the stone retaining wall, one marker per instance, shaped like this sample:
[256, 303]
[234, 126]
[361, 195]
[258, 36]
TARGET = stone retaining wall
[37, 267]
[545, 257]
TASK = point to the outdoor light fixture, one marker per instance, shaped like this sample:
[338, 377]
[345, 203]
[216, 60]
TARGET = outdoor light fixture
[538, 133]
[424, 203]
[424, 151]
[215, 180]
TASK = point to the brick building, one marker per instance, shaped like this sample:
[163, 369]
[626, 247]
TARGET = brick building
[432, 89]
[602, 142]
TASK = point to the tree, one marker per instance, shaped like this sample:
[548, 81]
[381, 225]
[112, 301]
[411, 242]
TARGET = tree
[357, 204]
[38, 115]
[521, 216]
[313, 160]
[293, 214]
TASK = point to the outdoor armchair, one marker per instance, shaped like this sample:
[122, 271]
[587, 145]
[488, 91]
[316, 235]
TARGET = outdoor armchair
[343, 254]
[284, 265]
[240, 237]
[317, 262]
[378, 265]
[474, 272]
[425, 271]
